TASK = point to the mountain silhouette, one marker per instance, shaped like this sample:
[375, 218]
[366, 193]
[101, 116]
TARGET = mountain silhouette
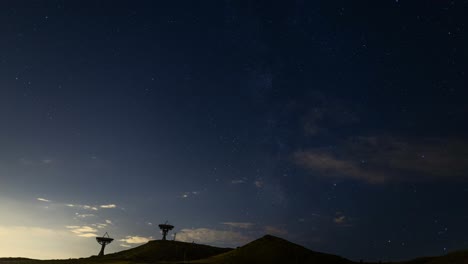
[267, 249]
[164, 250]
[271, 249]
[457, 257]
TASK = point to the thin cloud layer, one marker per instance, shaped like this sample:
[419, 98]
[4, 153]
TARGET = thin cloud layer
[83, 231]
[340, 219]
[242, 225]
[43, 200]
[238, 181]
[328, 165]
[136, 239]
[212, 236]
[108, 206]
[99, 225]
[385, 159]
[85, 207]
[327, 117]
[273, 230]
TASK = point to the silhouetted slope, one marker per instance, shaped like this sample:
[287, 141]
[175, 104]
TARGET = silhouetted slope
[271, 249]
[159, 250]
[17, 260]
[458, 257]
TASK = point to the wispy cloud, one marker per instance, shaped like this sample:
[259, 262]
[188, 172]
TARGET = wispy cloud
[108, 206]
[189, 194]
[99, 225]
[125, 245]
[87, 235]
[43, 200]
[136, 239]
[341, 219]
[89, 207]
[81, 206]
[47, 161]
[259, 183]
[381, 159]
[242, 225]
[329, 165]
[212, 236]
[326, 117]
[238, 181]
[273, 230]
[36, 161]
[109, 222]
[84, 215]
[83, 231]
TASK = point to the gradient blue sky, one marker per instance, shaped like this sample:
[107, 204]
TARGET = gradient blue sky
[339, 125]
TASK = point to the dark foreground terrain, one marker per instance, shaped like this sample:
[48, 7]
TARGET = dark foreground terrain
[268, 249]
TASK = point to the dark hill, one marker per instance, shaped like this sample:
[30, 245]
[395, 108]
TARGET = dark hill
[17, 260]
[159, 250]
[271, 249]
[458, 257]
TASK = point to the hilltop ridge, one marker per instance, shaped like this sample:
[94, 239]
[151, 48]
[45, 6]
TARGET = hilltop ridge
[267, 249]
[165, 250]
[272, 249]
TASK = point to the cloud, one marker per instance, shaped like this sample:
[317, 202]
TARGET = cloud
[238, 181]
[241, 225]
[85, 207]
[108, 206]
[109, 222]
[125, 245]
[43, 200]
[328, 165]
[99, 225]
[83, 231]
[258, 183]
[188, 194]
[339, 219]
[89, 207]
[381, 159]
[83, 215]
[36, 162]
[327, 117]
[212, 236]
[275, 231]
[88, 235]
[136, 239]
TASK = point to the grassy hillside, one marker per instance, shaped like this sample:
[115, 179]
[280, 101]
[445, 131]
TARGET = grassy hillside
[270, 249]
[18, 261]
[159, 250]
[458, 257]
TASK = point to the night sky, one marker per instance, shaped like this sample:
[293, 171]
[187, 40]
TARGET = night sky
[338, 125]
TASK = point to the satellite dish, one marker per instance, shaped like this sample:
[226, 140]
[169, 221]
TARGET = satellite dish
[103, 241]
[165, 228]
